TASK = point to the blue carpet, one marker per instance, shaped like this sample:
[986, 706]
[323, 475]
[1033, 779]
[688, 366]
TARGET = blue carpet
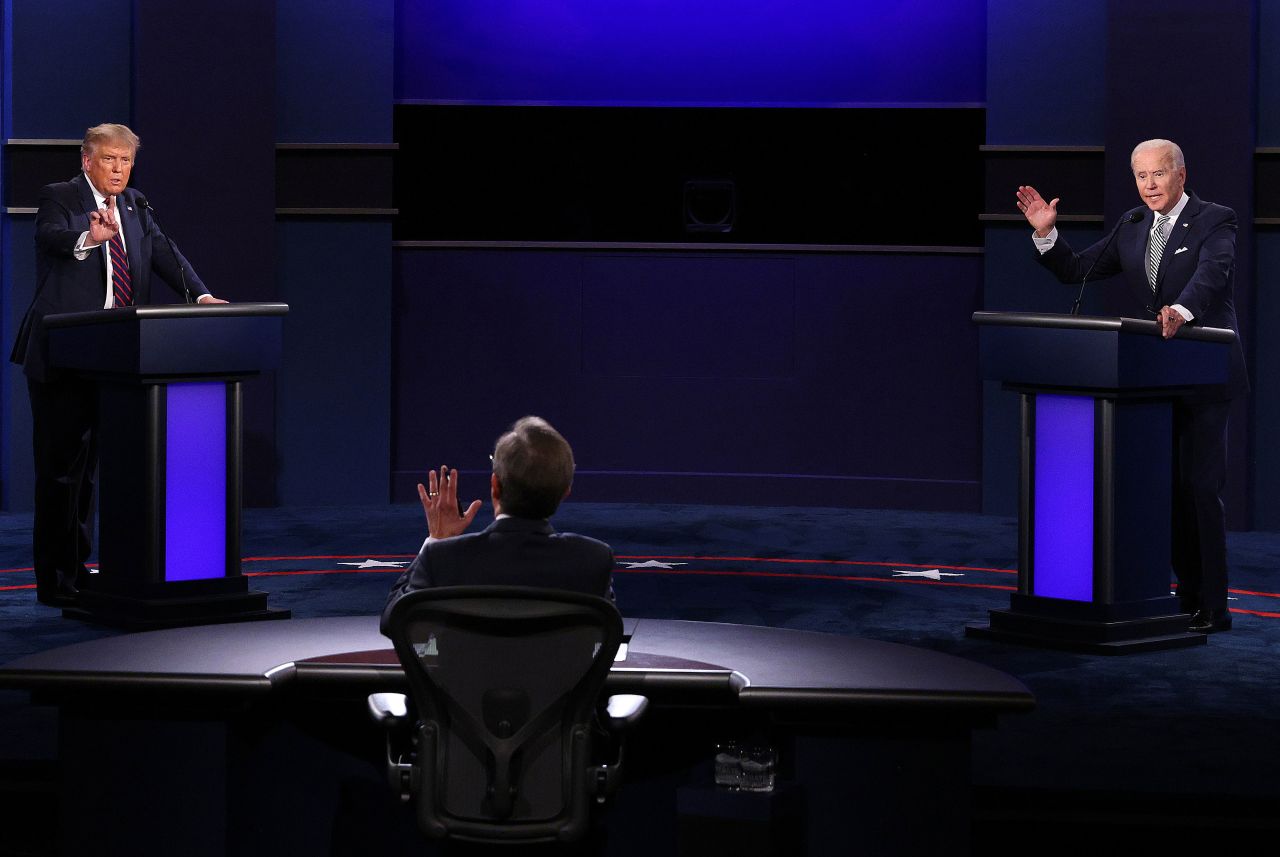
[1204, 720]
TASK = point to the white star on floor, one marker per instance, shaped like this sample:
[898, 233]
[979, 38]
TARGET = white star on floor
[932, 573]
[653, 563]
[375, 563]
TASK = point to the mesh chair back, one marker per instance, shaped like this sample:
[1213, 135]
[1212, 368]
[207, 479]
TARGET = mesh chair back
[506, 682]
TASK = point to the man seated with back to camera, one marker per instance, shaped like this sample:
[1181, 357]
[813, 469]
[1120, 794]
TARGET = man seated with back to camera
[532, 473]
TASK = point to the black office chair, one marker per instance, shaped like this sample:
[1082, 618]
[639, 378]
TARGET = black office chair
[504, 711]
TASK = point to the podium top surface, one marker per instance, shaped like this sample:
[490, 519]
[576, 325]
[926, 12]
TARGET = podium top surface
[138, 314]
[171, 341]
[1091, 353]
[1137, 326]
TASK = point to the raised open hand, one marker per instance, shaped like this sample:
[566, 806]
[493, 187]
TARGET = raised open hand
[440, 502]
[1040, 214]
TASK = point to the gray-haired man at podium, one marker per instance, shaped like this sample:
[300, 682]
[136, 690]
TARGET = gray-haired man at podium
[97, 245]
[1177, 254]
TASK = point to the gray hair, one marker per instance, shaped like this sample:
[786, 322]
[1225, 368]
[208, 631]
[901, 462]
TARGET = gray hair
[534, 466]
[1175, 152]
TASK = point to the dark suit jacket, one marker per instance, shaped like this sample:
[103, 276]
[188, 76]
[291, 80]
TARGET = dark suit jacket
[65, 284]
[510, 552]
[1197, 269]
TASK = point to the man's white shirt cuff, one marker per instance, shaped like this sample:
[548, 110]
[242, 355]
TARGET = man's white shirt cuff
[1045, 244]
[82, 251]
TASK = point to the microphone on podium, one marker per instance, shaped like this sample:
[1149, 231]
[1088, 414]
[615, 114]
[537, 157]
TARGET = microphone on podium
[182, 273]
[1132, 218]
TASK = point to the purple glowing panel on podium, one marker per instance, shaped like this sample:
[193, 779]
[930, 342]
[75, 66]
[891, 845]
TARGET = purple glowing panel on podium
[195, 482]
[1062, 559]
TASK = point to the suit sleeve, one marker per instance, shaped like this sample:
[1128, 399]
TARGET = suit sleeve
[415, 577]
[1070, 267]
[1215, 261]
[56, 235]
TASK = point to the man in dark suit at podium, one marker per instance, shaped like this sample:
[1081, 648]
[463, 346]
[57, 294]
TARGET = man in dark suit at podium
[532, 472]
[1177, 254]
[97, 245]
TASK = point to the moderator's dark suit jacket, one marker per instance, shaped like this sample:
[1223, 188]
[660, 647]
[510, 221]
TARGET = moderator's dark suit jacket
[1197, 269]
[510, 552]
[65, 284]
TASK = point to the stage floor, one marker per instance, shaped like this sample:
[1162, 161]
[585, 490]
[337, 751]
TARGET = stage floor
[1172, 727]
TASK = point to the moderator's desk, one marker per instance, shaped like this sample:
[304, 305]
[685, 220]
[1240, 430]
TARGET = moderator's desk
[246, 739]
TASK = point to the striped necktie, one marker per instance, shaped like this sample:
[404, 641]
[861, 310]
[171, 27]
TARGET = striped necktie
[121, 283]
[1155, 249]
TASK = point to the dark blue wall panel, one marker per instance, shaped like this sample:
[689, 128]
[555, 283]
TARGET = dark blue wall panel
[1266, 368]
[672, 52]
[1266, 355]
[834, 378]
[689, 317]
[1046, 72]
[17, 479]
[70, 62]
[335, 380]
[1268, 48]
[334, 85]
[334, 71]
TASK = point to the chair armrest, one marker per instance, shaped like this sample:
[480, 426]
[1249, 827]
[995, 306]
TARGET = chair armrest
[389, 710]
[624, 710]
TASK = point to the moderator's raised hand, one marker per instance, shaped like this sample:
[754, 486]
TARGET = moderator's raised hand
[1040, 214]
[440, 503]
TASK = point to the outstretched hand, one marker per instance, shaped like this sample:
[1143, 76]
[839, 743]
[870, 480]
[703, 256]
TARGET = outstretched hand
[1040, 214]
[103, 225]
[439, 497]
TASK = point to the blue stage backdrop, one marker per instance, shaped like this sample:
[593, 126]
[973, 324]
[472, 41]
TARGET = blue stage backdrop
[708, 53]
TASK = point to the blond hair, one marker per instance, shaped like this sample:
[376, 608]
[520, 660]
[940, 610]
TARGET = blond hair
[108, 132]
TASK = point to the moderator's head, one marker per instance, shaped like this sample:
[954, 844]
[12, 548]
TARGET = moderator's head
[533, 466]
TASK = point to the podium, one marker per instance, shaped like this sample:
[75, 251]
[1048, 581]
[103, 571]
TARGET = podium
[169, 413]
[1096, 477]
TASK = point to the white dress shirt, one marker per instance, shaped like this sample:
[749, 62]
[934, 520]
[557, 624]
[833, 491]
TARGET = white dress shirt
[84, 245]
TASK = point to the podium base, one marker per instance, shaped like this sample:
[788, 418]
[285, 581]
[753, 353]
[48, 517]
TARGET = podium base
[175, 605]
[1126, 637]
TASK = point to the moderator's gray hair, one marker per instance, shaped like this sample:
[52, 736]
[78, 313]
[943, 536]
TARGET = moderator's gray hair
[1147, 145]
